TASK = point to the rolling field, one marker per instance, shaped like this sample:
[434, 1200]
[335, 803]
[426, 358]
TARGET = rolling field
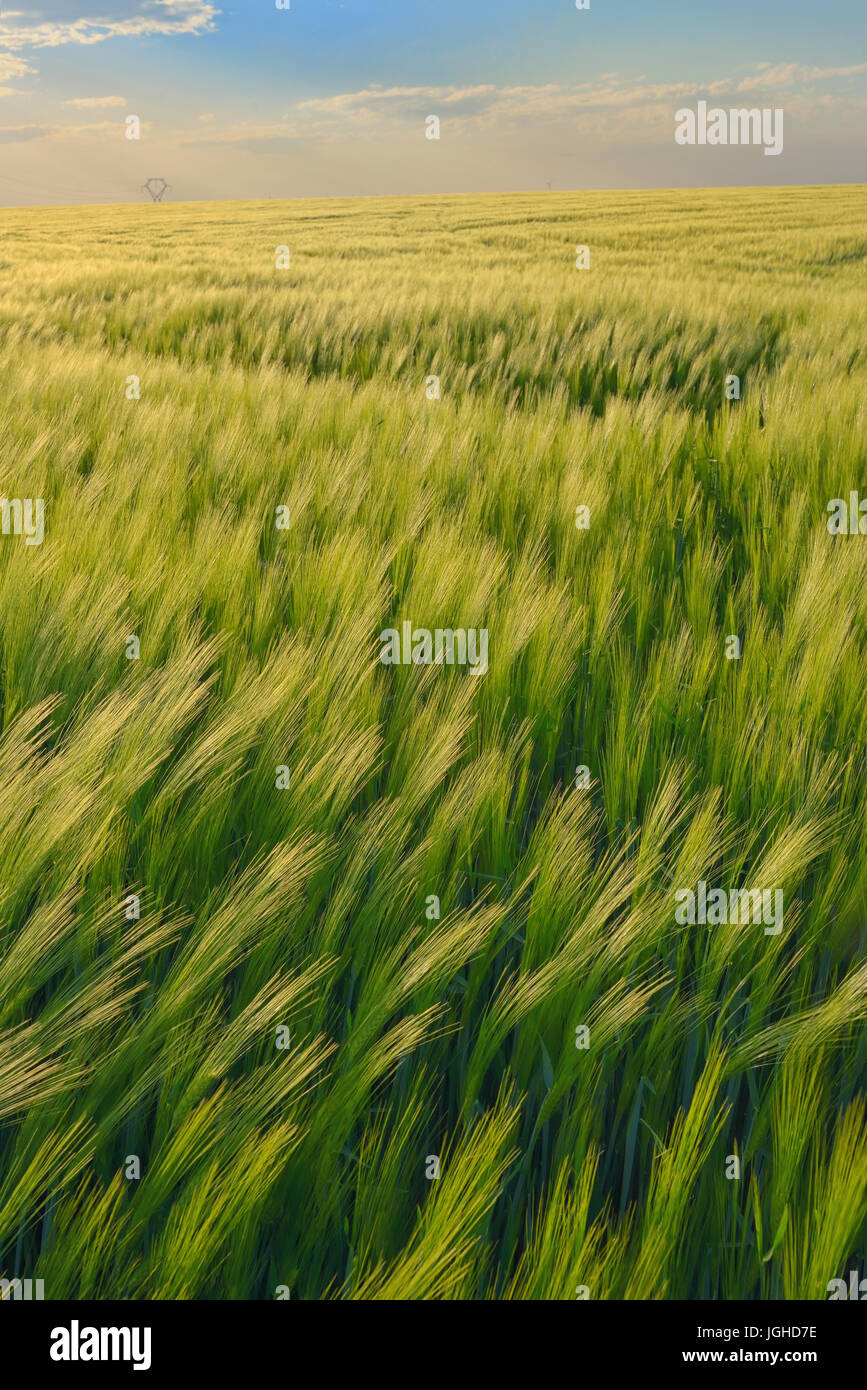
[285, 931]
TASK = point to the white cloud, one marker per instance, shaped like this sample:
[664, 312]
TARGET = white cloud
[793, 74]
[508, 107]
[16, 134]
[50, 26]
[91, 130]
[95, 101]
[13, 67]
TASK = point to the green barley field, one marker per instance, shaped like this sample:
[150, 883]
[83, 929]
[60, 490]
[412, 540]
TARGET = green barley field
[285, 930]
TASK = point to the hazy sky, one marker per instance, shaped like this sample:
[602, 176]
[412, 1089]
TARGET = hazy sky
[242, 100]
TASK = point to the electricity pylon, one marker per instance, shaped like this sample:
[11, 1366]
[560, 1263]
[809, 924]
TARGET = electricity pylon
[157, 188]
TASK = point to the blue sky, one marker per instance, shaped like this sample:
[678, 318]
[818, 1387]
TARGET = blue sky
[330, 97]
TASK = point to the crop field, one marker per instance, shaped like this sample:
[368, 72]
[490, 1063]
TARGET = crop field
[338, 961]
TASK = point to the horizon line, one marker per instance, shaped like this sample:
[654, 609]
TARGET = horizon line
[495, 193]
